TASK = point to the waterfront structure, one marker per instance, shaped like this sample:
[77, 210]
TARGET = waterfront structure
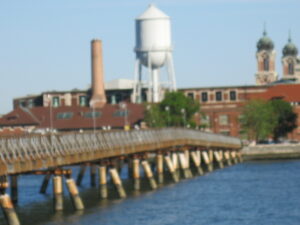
[52, 155]
[153, 50]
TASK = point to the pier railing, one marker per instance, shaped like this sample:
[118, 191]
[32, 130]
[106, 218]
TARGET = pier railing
[34, 152]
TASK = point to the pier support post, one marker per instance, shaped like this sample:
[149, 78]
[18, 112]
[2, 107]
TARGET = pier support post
[45, 183]
[175, 161]
[102, 182]
[80, 174]
[8, 210]
[76, 200]
[171, 168]
[234, 157]
[207, 161]
[149, 174]
[197, 162]
[184, 165]
[93, 175]
[218, 159]
[117, 182]
[14, 188]
[227, 158]
[211, 156]
[160, 167]
[240, 157]
[136, 174]
[58, 193]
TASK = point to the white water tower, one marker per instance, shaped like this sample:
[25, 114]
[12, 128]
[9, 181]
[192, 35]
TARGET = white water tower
[153, 50]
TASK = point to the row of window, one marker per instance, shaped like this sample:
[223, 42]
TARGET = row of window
[218, 96]
[82, 101]
[223, 120]
[91, 114]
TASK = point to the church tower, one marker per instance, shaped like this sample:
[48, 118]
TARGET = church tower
[290, 62]
[265, 56]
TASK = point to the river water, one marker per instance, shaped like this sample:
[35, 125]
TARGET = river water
[264, 192]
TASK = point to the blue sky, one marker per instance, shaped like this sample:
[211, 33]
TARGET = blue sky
[45, 45]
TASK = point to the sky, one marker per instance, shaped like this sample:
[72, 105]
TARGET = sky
[45, 45]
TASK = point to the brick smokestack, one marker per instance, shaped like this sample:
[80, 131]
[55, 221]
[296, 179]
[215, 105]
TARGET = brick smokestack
[98, 99]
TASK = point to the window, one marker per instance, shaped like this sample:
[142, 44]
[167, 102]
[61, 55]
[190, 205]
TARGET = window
[121, 113]
[64, 115]
[22, 103]
[30, 103]
[232, 95]
[92, 114]
[204, 97]
[223, 120]
[82, 100]
[205, 120]
[266, 64]
[55, 101]
[291, 69]
[190, 95]
[218, 96]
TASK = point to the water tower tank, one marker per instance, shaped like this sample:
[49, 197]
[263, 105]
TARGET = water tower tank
[153, 35]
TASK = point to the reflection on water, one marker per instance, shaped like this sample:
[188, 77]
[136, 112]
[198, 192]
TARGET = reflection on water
[249, 193]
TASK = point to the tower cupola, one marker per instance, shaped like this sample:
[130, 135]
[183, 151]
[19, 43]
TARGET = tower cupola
[265, 43]
[290, 48]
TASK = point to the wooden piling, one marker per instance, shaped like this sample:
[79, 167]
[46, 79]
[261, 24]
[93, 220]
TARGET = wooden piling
[184, 165]
[102, 182]
[58, 193]
[197, 162]
[171, 168]
[117, 182]
[80, 174]
[136, 174]
[218, 159]
[234, 157]
[149, 174]
[175, 161]
[8, 210]
[14, 188]
[45, 183]
[207, 161]
[227, 158]
[93, 172]
[160, 167]
[73, 191]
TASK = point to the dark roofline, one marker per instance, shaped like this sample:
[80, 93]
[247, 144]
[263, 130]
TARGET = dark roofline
[225, 87]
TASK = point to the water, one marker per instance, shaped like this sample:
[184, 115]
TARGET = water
[249, 193]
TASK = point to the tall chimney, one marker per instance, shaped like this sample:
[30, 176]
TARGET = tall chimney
[98, 99]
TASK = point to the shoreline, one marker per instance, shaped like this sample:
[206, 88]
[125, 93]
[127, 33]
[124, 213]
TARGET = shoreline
[271, 152]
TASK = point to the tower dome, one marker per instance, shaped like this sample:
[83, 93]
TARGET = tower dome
[265, 43]
[290, 48]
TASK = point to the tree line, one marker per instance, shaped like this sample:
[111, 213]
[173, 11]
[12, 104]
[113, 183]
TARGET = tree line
[260, 119]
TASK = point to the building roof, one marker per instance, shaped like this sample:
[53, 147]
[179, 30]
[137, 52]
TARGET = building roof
[119, 84]
[74, 117]
[288, 92]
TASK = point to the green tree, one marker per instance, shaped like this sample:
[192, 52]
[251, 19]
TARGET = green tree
[286, 118]
[258, 119]
[175, 110]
